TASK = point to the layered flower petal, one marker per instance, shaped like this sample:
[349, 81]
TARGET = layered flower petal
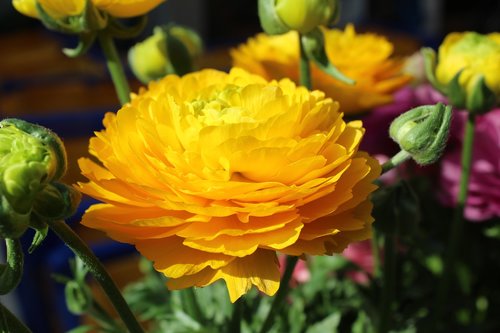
[366, 58]
[211, 174]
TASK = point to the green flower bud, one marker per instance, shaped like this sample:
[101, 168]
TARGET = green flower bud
[422, 132]
[170, 50]
[31, 158]
[467, 70]
[57, 201]
[281, 16]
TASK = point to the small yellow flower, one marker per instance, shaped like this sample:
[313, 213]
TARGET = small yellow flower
[475, 55]
[362, 57]
[59, 9]
[211, 174]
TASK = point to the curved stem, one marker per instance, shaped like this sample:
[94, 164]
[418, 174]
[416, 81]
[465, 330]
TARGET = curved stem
[12, 271]
[10, 323]
[76, 244]
[396, 160]
[458, 217]
[304, 67]
[281, 294]
[115, 67]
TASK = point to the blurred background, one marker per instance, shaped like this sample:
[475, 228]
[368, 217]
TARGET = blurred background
[40, 84]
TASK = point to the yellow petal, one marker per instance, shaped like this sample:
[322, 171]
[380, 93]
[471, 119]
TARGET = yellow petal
[126, 8]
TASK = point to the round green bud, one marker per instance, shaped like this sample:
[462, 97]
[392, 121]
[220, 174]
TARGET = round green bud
[305, 15]
[422, 132]
[170, 50]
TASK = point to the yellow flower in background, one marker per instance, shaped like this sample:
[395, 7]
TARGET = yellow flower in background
[211, 174]
[475, 55]
[362, 57]
[58, 9]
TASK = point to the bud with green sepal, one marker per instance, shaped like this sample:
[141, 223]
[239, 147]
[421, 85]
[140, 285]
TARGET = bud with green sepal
[281, 16]
[32, 159]
[467, 70]
[170, 50]
[422, 132]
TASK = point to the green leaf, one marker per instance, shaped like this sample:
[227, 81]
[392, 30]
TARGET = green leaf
[314, 47]
[330, 324]
[82, 329]
[178, 54]
[481, 99]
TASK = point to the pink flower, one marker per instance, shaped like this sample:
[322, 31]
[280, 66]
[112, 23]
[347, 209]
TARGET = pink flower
[361, 254]
[483, 200]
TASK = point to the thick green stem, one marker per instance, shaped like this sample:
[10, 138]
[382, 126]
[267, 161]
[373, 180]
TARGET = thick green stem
[281, 294]
[396, 160]
[9, 323]
[235, 324]
[78, 246]
[304, 67]
[115, 67]
[458, 218]
[191, 305]
[389, 283]
[12, 271]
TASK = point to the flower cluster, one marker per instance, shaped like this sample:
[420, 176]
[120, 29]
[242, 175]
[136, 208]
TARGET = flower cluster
[211, 174]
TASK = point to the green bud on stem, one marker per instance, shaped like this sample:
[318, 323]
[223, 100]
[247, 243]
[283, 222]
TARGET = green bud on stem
[422, 132]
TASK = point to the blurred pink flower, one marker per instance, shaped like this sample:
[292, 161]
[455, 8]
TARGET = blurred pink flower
[483, 200]
[301, 273]
[361, 254]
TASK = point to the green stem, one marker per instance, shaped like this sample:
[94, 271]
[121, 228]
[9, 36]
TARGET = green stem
[235, 324]
[9, 323]
[396, 160]
[304, 67]
[389, 283]
[12, 271]
[78, 246]
[375, 253]
[191, 305]
[281, 294]
[458, 217]
[115, 67]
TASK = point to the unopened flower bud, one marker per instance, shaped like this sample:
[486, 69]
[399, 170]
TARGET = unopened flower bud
[422, 132]
[280, 16]
[170, 50]
[31, 159]
[467, 70]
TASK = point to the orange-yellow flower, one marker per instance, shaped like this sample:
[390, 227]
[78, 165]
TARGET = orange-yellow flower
[59, 9]
[362, 57]
[211, 174]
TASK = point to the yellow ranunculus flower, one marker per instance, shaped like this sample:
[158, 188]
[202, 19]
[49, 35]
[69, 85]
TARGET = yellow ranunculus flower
[475, 55]
[362, 57]
[211, 174]
[63, 8]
